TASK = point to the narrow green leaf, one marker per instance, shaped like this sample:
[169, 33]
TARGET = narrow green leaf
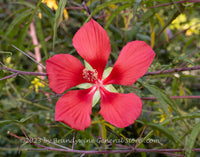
[190, 140]
[165, 131]
[2, 82]
[27, 25]
[25, 3]
[117, 11]
[17, 20]
[6, 52]
[145, 138]
[176, 5]
[162, 24]
[41, 35]
[103, 131]
[26, 118]
[34, 11]
[5, 121]
[48, 12]
[106, 4]
[174, 15]
[175, 85]
[59, 13]
[149, 13]
[22, 35]
[186, 116]
[162, 97]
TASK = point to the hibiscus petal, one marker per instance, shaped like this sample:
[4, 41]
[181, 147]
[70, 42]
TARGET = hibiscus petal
[64, 71]
[92, 43]
[120, 109]
[133, 62]
[74, 108]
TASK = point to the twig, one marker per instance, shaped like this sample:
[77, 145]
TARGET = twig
[86, 8]
[172, 70]
[180, 32]
[75, 8]
[74, 135]
[23, 72]
[29, 57]
[36, 48]
[140, 137]
[10, 76]
[172, 154]
[171, 3]
[148, 73]
[25, 140]
[103, 151]
[174, 97]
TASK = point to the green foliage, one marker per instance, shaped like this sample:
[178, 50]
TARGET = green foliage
[171, 28]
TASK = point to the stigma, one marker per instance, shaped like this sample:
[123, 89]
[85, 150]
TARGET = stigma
[90, 75]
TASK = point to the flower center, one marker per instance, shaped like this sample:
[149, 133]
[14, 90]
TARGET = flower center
[90, 75]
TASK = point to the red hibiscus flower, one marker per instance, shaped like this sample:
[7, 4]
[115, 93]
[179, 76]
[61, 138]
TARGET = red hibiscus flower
[65, 71]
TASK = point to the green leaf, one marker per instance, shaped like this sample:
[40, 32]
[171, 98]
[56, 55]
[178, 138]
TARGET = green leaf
[190, 140]
[106, 4]
[185, 116]
[26, 118]
[175, 85]
[176, 5]
[6, 52]
[48, 12]
[174, 15]
[59, 13]
[34, 11]
[103, 131]
[165, 131]
[2, 82]
[117, 11]
[162, 97]
[145, 138]
[162, 24]
[149, 13]
[17, 121]
[16, 21]
[40, 35]
[24, 3]
[27, 25]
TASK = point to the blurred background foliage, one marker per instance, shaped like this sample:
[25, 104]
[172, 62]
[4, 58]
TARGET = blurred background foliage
[171, 27]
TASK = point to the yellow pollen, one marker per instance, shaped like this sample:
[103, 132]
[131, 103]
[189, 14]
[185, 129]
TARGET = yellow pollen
[90, 75]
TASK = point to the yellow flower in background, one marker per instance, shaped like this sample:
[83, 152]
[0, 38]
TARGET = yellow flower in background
[54, 6]
[36, 84]
[181, 23]
[163, 115]
[7, 62]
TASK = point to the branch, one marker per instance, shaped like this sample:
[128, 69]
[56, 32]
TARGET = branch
[22, 72]
[148, 73]
[131, 150]
[174, 97]
[36, 48]
[86, 8]
[171, 3]
[10, 76]
[172, 70]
